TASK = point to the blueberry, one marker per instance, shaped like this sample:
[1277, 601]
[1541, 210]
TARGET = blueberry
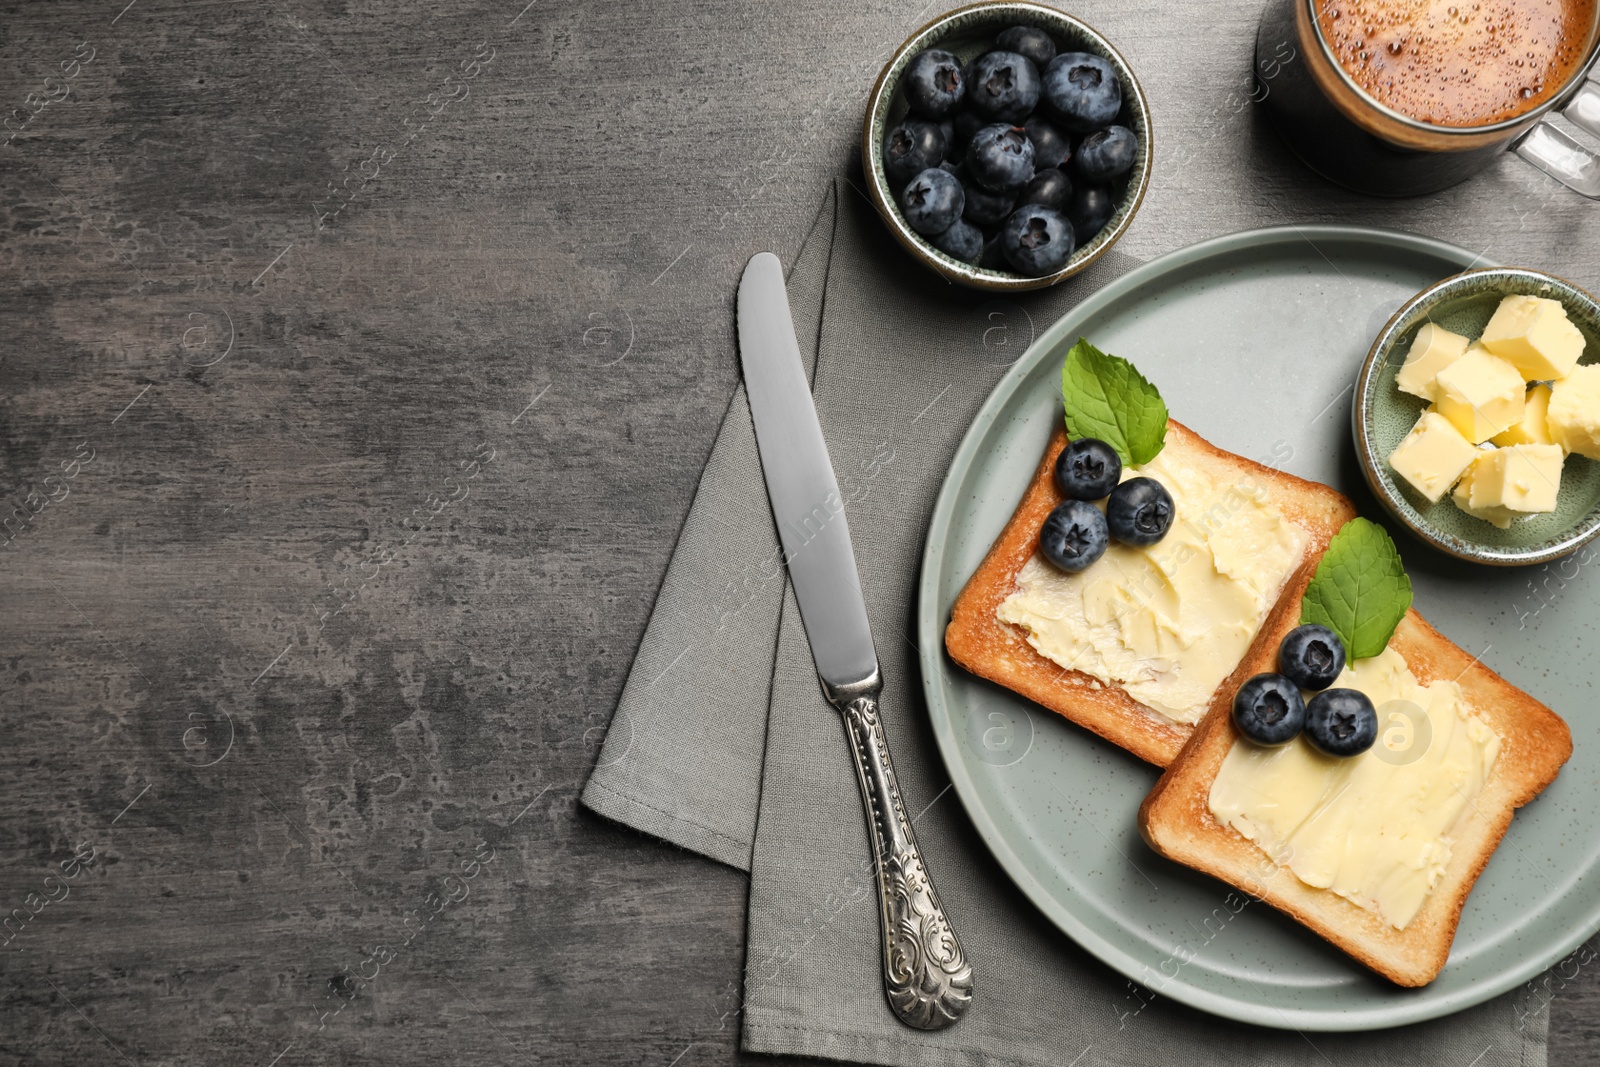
[1140, 512]
[952, 151]
[987, 208]
[1341, 722]
[1082, 90]
[1051, 147]
[932, 201]
[1269, 710]
[962, 240]
[1003, 86]
[1074, 535]
[994, 255]
[1088, 469]
[967, 123]
[1001, 157]
[1049, 188]
[1032, 44]
[911, 148]
[935, 84]
[1106, 154]
[1089, 209]
[1036, 240]
[1311, 656]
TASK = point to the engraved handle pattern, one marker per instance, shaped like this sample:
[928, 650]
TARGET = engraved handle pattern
[925, 974]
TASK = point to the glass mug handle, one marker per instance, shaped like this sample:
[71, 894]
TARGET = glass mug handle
[1558, 154]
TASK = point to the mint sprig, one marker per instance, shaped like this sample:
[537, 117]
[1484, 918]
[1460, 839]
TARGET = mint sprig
[1360, 590]
[1106, 397]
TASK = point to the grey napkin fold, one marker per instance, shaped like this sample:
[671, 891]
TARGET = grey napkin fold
[722, 742]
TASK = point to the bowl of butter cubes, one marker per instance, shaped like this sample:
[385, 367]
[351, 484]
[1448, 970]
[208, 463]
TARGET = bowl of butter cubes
[1477, 416]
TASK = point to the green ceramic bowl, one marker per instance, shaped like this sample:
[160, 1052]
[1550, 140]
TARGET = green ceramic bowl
[969, 32]
[1382, 415]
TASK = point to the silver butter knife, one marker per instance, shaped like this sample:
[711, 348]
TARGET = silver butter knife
[925, 974]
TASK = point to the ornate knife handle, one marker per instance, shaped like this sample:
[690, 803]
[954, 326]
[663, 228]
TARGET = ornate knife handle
[925, 974]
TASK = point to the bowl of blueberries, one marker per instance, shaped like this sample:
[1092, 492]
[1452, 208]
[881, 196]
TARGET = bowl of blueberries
[1007, 145]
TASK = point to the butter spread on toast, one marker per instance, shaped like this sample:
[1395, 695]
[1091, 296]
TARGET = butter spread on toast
[1375, 828]
[1170, 621]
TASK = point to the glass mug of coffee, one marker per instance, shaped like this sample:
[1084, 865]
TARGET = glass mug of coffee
[1404, 97]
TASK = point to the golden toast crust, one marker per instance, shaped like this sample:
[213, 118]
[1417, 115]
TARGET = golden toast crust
[1000, 652]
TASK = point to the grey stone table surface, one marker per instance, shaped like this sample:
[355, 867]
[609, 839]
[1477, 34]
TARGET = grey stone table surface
[357, 364]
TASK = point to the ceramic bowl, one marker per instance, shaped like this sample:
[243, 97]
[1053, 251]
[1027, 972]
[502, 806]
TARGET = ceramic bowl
[968, 32]
[1382, 415]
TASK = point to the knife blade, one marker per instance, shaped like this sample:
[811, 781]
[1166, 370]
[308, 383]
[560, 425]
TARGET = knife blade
[926, 977]
[800, 480]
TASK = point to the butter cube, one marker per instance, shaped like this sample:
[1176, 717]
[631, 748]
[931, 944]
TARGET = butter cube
[1534, 429]
[1432, 350]
[1432, 456]
[1534, 335]
[1574, 415]
[1481, 393]
[1523, 478]
[1499, 516]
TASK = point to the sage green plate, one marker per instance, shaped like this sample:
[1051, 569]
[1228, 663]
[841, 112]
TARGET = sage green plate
[1254, 340]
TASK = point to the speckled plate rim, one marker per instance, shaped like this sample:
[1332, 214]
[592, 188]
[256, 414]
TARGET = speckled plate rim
[1374, 465]
[948, 266]
[1408, 1005]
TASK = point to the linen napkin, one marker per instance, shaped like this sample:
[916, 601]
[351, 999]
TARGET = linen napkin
[722, 742]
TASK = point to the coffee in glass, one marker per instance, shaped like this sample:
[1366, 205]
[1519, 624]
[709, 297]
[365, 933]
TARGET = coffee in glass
[1400, 97]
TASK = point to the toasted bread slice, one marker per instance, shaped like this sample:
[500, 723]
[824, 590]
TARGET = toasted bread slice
[1000, 651]
[1177, 822]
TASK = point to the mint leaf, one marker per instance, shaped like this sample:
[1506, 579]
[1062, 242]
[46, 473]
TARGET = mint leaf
[1106, 397]
[1360, 590]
